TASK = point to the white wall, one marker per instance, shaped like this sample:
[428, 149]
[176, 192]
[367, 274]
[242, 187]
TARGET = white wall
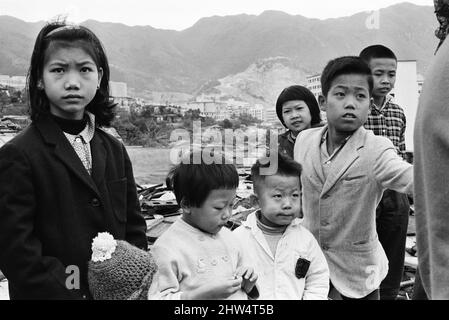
[406, 96]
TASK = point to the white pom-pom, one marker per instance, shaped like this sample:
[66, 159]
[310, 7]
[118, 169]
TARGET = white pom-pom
[103, 246]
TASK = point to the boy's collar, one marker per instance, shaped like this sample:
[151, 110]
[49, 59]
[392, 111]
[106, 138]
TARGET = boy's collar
[291, 136]
[325, 131]
[251, 221]
[386, 100]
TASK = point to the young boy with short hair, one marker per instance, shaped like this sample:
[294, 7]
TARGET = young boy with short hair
[346, 168]
[387, 119]
[198, 258]
[287, 258]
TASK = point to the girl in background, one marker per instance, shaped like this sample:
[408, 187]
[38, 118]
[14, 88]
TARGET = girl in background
[297, 109]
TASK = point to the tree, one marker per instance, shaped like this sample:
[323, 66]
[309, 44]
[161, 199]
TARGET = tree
[193, 114]
[236, 124]
[190, 116]
[208, 121]
[127, 130]
[248, 119]
[147, 112]
[226, 124]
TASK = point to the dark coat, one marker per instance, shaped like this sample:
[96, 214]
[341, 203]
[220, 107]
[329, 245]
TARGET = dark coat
[286, 144]
[51, 209]
[431, 172]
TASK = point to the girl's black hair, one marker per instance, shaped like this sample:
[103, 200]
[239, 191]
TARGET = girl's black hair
[297, 92]
[65, 35]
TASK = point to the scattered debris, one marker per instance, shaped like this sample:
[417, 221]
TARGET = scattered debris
[160, 208]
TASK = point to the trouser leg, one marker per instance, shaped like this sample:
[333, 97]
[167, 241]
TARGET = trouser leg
[392, 222]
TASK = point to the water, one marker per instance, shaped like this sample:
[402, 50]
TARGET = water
[150, 165]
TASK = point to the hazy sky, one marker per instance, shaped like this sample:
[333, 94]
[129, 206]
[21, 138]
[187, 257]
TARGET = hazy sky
[181, 14]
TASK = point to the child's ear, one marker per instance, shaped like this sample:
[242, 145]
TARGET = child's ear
[185, 206]
[322, 102]
[254, 200]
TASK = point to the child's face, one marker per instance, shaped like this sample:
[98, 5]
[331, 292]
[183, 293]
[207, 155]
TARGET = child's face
[296, 115]
[70, 78]
[214, 213]
[347, 102]
[384, 75]
[279, 200]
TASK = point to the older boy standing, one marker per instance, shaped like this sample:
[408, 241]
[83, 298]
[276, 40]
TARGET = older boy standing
[346, 169]
[387, 119]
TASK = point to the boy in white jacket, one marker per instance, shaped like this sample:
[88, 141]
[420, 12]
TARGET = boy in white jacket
[286, 256]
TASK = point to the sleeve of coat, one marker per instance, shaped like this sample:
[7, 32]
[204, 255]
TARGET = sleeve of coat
[21, 259]
[244, 260]
[391, 171]
[431, 165]
[317, 278]
[165, 285]
[135, 226]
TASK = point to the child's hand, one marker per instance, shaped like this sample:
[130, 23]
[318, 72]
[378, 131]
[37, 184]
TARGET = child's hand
[249, 278]
[220, 289]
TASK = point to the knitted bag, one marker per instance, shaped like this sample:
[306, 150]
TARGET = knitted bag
[125, 274]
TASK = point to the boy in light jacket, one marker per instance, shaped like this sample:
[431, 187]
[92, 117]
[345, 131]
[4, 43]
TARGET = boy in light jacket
[346, 169]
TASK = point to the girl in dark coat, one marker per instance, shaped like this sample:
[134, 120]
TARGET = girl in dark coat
[63, 179]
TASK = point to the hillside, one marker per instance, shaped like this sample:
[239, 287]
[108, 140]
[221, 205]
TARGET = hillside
[260, 83]
[150, 59]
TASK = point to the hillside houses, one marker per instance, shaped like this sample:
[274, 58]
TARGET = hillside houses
[160, 113]
[220, 110]
[16, 82]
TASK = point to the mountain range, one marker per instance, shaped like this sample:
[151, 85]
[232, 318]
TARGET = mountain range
[216, 50]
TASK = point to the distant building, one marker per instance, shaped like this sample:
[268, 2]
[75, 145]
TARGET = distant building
[270, 115]
[214, 110]
[258, 112]
[220, 110]
[167, 117]
[161, 113]
[16, 82]
[314, 85]
[237, 103]
[420, 80]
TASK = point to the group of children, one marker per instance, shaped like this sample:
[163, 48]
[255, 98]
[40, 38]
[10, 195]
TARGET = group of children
[63, 180]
